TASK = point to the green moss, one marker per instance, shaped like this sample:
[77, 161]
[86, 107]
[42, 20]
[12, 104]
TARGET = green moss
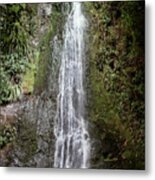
[29, 77]
[45, 52]
[44, 57]
[27, 140]
[116, 81]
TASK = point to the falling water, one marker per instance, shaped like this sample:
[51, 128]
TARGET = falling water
[72, 138]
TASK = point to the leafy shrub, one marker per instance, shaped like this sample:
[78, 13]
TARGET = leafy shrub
[16, 28]
[7, 134]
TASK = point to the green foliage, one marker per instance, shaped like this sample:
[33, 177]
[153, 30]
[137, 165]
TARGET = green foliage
[117, 80]
[7, 134]
[44, 58]
[16, 28]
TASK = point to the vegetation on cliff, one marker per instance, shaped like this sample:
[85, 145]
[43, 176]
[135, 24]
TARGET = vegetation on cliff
[115, 75]
[17, 29]
[116, 82]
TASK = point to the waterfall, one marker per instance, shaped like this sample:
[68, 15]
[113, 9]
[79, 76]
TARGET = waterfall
[70, 128]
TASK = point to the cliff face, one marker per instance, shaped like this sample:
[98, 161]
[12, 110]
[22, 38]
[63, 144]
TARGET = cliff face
[33, 144]
[114, 87]
[115, 83]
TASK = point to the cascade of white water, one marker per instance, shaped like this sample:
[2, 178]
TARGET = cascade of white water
[72, 138]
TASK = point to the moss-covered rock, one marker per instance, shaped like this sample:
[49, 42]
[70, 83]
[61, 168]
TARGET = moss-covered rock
[27, 140]
[53, 25]
[116, 83]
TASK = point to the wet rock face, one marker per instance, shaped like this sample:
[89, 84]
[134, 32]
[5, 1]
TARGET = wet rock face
[44, 13]
[8, 114]
[30, 125]
[34, 145]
